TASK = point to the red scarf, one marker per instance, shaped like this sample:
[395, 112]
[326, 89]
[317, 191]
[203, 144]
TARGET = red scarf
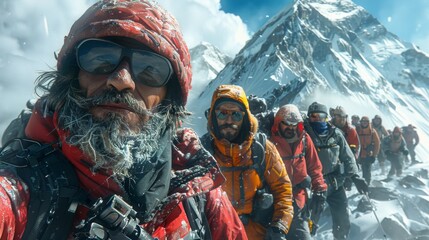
[45, 129]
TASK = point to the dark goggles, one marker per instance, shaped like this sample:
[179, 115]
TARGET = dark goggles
[235, 115]
[98, 56]
[289, 124]
[318, 115]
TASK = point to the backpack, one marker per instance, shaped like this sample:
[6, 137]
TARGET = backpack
[52, 183]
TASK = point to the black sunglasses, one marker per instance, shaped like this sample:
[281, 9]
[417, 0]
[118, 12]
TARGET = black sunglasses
[318, 115]
[235, 115]
[99, 56]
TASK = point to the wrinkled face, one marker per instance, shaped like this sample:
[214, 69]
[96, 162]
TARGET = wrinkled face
[121, 80]
[229, 118]
[339, 120]
[318, 117]
[115, 120]
[287, 131]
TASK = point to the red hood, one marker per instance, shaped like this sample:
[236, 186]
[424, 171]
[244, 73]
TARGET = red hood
[143, 21]
[45, 129]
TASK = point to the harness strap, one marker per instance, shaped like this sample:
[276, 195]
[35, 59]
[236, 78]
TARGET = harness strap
[258, 157]
[302, 154]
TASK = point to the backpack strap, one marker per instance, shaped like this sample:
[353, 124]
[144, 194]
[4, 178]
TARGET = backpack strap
[207, 142]
[195, 211]
[53, 186]
[302, 154]
[258, 158]
[258, 154]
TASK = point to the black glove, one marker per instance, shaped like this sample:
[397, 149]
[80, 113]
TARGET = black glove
[360, 184]
[405, 152]
[317, 202]
[274, 233]
[347, 184]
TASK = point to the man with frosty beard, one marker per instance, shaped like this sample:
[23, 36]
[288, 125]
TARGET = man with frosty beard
[109, 118]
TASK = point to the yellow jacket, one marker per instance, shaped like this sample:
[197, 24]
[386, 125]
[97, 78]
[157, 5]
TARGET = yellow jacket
[232, 155]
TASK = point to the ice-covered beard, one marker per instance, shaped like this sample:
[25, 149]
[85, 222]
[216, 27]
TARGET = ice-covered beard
[109, 142]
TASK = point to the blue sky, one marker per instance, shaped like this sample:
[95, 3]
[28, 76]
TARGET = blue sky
[407, 19]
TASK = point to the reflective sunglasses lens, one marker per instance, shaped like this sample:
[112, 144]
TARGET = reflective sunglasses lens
[237, 116]
[289, 125]
[98, 57]
[221, 115]
[150, 68]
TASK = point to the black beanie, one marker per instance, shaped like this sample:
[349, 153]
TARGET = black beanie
[317, 108]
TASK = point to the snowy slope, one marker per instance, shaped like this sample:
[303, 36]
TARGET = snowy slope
[336, 53]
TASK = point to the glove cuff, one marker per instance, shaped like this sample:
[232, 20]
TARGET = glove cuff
[354, 176]
[277, 225]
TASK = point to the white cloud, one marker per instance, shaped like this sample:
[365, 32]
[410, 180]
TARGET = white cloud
[27, 47]
[202, 20]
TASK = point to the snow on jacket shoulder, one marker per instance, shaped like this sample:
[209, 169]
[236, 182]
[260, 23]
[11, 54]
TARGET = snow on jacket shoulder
[13, 206]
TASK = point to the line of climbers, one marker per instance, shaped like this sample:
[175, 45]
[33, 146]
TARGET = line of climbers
[309, 151]
[102, 154]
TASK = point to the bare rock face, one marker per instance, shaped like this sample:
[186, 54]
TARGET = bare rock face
[395, 227]
[382, 194]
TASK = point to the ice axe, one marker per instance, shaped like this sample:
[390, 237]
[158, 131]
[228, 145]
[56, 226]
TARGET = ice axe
[375, 214]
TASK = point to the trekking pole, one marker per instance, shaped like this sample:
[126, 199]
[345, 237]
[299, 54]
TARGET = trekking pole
[375, 214]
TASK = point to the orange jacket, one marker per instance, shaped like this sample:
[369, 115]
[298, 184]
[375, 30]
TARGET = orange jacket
[369, 141]
[231, 155]
[352, 138]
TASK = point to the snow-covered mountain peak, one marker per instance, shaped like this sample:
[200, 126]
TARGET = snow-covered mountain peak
[207, 61]
[336, 53]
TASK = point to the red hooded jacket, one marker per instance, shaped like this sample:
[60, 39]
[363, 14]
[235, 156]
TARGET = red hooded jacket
[170, 222]
[299, 162]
